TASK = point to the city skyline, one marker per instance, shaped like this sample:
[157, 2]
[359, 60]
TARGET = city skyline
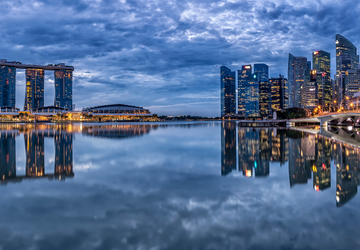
[165, 49]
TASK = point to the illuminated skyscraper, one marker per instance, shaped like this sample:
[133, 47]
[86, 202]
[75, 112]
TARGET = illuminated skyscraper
[34, 145]
[346, 59]
[228, 94]
[7, 86]
[252, 96]
[228, 147]
[296, 78]
[34, 95]
[7, 155]
[279, 98]
[63, 154]
[262, 71]
[63, 88]
[243, 78]
[321, 63]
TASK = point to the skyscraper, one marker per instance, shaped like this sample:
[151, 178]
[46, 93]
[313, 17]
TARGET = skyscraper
[352, 84]
[227, 84]
[34, 95]
[63, 88]
[263, 70]
[243, 78]
[279, 98]
[296, 78]
[321, 63]
[7, 85]
[252, 96]
[346, 58]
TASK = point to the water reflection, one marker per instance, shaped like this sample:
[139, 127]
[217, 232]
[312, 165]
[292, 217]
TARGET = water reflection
[308, 157]
[62, 135]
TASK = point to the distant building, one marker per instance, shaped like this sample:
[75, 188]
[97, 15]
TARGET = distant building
[321, 63]
[279, 98]
[228, 94]
[309, 95]
[7, 85]
[296, 78]
[252, 96]
[63, 88]
[117, 109]
[262, 71]
[244, 76]
[34, 95]
[352, 84]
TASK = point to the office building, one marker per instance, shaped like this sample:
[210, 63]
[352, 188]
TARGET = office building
[263, 71]
[34, 95]
[63, 88]
[252, 96]
[228, 94]
[279, 98]
[309, 95]
[296, 78]
[346, 59]
[321, 63]
[352, 84]
[264, 99]
[7, 85]
[244, 76]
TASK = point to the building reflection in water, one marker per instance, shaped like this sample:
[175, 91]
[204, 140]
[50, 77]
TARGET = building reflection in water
[308, 156]
[62, 135]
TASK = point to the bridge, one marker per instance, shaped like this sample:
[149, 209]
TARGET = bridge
[324, 120]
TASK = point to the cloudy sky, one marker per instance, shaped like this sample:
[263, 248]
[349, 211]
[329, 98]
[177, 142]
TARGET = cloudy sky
[165, 55]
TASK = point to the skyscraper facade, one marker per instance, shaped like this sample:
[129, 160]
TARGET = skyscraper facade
[7, 86]
[34, 95]
[346, 59]
[252, 96]
[63, 88]
[244, 76]
[321, 63]
[263, 70]
[296, 78]
[227, 84]
[279, 98]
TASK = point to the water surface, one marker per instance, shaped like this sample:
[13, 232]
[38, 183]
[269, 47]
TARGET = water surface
[175, 186]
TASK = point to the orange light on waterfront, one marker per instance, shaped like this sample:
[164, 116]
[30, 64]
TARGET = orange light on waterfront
[248, 173]
[317, 188]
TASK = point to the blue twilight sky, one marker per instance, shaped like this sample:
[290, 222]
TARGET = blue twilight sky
[165, 55]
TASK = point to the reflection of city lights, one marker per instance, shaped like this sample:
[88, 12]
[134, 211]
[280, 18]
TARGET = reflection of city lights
[337, 198]
[350, 128]
[316, 188]
[248, 173]
[314, 169]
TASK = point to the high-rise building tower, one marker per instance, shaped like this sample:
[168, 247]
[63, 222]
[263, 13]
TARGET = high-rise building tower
[34, 95]
[7, 85]
[346, 58]
[279, 98]
[243, 77]
[321, 63]
[252, 96]
[296, 78]
[228, 95]
[63, 88]
[263, 70]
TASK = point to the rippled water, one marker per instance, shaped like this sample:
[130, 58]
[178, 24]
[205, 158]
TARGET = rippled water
[175, 186]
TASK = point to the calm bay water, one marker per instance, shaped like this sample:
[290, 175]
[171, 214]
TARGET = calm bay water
[175, 186]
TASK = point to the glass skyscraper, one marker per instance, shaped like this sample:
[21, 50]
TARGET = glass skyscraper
[279, 98]
[34, 95]
[263, 70]
[296, 78]
[321, 63]
[63, 89]
[243, 77]
[346, 59]
[7, 86]
[228, 95]
[252, 96]
[264, 87]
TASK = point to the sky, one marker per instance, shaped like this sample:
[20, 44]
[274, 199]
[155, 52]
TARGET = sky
[166, 55]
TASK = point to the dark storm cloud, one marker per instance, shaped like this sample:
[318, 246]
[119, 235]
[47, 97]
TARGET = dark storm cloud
[165, 49]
